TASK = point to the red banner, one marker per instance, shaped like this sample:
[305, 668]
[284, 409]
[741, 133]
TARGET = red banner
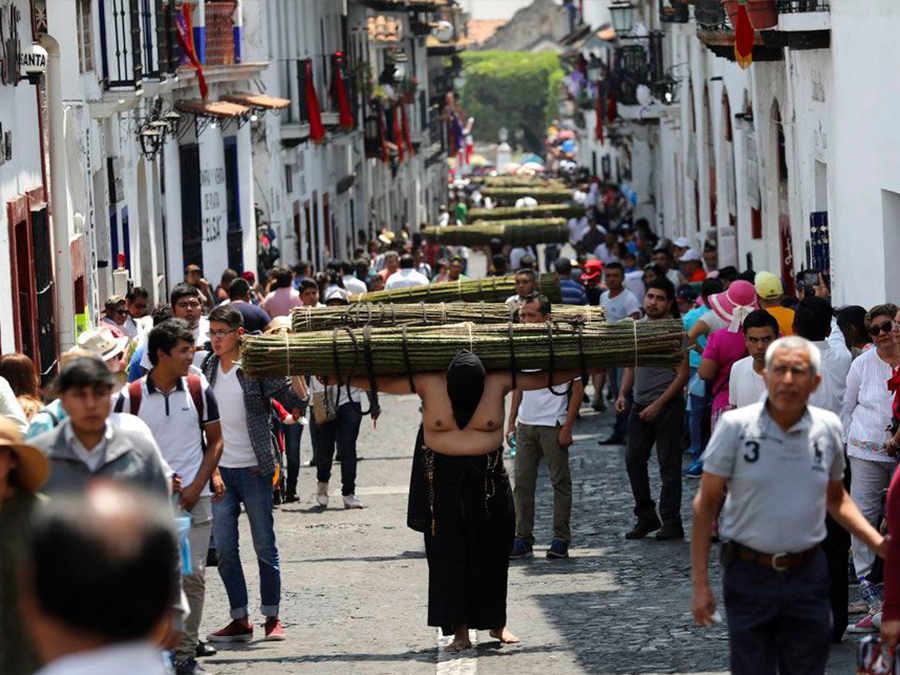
[316, 128]
[345, 117]
[186, 41]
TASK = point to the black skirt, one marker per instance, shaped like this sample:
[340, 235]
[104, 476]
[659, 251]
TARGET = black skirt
[470, 533]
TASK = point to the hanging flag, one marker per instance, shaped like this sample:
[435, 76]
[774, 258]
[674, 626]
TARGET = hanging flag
[406, 137]
[345, 117]
[186, 42]
[398, 137]
[743, 36]
[316, 128]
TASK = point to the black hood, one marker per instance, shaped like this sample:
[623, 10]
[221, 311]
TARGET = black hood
[465, 385]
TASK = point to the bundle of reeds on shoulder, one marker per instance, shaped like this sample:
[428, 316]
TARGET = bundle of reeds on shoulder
[516, 181]
[528, 212]
[396, 351]
[514, 233]
[489, 289]
[357, 315]
[543, 195]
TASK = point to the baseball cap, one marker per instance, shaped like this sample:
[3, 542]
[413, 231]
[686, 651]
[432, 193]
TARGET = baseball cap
[768, 285]
[687, 294]
[691, 255]
[682, 242]
[339, 294]
[591, 270]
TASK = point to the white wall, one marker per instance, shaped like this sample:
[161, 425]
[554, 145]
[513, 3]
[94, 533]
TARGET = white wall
[865, 145]
[18, 115]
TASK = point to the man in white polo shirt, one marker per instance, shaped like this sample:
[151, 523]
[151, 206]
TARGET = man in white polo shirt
[544, 429]
[183, 416]
[782, 463]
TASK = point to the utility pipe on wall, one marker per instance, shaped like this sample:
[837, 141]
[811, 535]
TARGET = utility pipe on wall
[59, 200]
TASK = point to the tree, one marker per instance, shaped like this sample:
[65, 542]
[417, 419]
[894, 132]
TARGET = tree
[513, 90]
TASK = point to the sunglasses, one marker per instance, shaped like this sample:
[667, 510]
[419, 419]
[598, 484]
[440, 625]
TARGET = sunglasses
[886, 327]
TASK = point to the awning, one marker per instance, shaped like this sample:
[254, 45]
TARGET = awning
[258, 101]
[223, 109]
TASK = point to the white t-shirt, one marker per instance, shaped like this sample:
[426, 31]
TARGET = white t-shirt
[405, 279]
[354, 286]
[237, 452]
[543, 408]
[634, 282]
[745, 385]
[621, 306]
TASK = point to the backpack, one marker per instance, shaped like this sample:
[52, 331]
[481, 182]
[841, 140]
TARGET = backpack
[135, 393]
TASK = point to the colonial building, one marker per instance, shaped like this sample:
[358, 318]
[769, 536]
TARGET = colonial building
[785, 164]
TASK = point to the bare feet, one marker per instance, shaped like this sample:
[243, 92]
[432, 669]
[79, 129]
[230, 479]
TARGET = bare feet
[504, 636]
[461, 640]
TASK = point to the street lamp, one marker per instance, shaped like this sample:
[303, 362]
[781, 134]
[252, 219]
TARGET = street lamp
[622, 14]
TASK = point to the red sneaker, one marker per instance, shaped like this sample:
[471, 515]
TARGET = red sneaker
[274, 629]
[233, 632]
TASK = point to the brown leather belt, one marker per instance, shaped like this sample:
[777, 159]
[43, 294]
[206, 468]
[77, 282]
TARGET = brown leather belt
[777, 561]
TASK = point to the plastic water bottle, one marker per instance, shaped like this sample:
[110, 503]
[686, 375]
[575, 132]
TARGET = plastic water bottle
[869, 593]
[512, 445]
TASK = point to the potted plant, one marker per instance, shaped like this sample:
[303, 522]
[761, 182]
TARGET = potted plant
[763, 14]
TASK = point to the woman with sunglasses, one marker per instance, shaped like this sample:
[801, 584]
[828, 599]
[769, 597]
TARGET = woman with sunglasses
[866, 415]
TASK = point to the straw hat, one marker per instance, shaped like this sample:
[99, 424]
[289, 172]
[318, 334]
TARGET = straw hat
[33, 467]
[733, 305]
[103, 342]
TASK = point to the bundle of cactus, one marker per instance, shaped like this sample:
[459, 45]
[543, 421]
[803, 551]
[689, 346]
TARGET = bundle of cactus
[489, 289]
[514, 233]
[507, 213]
[543, 195]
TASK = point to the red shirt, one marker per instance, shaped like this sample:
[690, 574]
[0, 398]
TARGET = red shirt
[698, 276]
[892, 561]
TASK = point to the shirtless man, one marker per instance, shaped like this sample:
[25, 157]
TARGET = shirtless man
[472, 518]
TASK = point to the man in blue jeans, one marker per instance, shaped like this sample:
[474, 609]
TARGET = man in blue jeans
[247, 467]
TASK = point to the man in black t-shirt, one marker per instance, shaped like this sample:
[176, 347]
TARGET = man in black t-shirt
[255, 318]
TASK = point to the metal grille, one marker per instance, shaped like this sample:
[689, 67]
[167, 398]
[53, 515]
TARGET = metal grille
[220, 33]
[795, 6]
[43, 272]
[710, 15]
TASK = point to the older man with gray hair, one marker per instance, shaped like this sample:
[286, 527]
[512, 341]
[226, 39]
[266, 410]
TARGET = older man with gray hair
[782, 464]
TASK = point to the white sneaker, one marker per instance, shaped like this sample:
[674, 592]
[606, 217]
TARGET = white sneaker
[351, 502]
[322, 494]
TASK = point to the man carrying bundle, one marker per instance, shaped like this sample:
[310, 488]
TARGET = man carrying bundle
[470, 521]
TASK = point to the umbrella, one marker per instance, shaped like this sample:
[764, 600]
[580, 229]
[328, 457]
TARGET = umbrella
[533, 166]
[566, 134]
[568, 146]
[480, 160]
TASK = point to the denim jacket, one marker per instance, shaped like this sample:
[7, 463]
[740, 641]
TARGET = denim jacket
[257, 397]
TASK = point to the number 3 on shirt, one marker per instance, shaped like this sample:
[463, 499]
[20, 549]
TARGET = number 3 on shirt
[753, 455]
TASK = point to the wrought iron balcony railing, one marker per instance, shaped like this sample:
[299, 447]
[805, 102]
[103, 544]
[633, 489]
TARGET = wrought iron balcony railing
[797, 6]
[710, 15]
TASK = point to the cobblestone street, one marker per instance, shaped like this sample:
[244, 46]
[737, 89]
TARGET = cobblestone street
[354, 582]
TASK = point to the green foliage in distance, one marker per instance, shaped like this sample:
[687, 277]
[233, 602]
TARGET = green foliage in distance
[516, 90]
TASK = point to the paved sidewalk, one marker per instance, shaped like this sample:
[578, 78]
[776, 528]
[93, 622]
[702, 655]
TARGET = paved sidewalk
[355, 582]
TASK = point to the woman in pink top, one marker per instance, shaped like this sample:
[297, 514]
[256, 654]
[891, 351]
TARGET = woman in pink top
[726, 346]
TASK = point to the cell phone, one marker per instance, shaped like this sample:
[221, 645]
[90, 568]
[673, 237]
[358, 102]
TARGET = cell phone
[810, 278]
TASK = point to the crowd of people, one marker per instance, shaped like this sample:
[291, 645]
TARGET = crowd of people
[156, 398]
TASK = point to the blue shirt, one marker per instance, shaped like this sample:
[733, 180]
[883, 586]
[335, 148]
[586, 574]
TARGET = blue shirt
[572, 292]
[135, 369]
[689, 320]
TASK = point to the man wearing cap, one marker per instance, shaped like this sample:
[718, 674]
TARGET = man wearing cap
[406, 276]
[23, 470]
[692, 266]
[782, 462]
[771, 291]
[680, 246]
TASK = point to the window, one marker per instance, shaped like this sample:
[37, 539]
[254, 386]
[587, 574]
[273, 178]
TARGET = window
[288, 178]
[85, 35]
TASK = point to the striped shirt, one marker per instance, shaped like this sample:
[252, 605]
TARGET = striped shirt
[572, 292]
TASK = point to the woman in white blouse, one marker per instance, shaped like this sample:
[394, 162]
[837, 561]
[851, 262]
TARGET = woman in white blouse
[866, 415]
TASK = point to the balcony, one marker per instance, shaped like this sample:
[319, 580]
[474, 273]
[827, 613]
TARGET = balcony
[636, 65]
[812, 17]
[138, 41]
[222, 41]
[715, 30]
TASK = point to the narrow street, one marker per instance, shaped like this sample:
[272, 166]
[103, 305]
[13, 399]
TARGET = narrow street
[355, 582]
